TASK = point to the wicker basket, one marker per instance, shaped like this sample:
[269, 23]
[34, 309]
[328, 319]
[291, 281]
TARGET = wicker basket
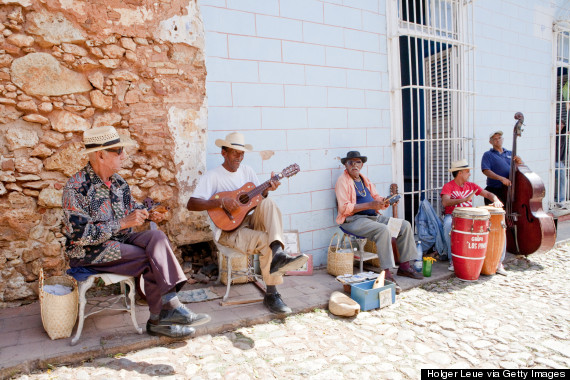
[59, 313]
[371, 247]
[240, 263]
[340, 258]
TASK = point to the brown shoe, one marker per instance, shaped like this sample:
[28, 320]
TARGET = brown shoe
[410, 272]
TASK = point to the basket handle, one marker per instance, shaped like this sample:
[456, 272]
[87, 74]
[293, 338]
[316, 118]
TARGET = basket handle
[332, 238]
[41, 284]
[346, 238]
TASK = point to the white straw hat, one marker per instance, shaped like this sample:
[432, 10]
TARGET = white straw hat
[459, 165]
[500, 133]
[235, 141]
[101, 138]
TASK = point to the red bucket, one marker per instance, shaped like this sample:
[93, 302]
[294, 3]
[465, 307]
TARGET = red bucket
[469, 238]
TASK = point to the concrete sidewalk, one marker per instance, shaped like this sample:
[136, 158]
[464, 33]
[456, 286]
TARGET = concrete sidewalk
[25, 346]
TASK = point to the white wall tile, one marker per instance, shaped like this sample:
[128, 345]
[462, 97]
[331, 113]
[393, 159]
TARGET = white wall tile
[313, 220]
[325, 76]
[372, 22]
[310, 10]
[343, 16]
[216, 45]
[305, 96]
[369, 80]
[254, 48]
[277, 27]
[227, 21]
[364, 118]
[337, 57]
[268, 7]
[285, 73]
[307, 139]
[232, 70]
[237, 118]
[356, 39]
[257, 95]
[344, 97]
[284, 118]
[341, 138]
[323, 34]
[219, 94]
[328, 118]
[295, 52]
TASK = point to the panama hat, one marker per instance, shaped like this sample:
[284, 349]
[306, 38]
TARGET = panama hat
[105, 137]
[353, 154]
[459, 165]
[235, 141]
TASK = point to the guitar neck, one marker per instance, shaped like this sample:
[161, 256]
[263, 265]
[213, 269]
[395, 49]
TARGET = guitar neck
[264, 186]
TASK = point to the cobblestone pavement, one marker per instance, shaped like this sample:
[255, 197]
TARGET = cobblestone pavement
[519, 321]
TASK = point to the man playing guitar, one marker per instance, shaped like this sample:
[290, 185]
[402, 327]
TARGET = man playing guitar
[359, 207]
[261, 232]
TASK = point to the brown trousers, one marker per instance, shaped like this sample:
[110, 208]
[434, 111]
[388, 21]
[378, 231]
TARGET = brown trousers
[255, 235]
[148, 253]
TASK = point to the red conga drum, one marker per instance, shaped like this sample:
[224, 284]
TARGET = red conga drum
[497, 240]
[469, 237]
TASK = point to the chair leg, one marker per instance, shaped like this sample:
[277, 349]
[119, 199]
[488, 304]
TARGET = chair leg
[220, 259]
[228, 279]
[131, 283]
[361, 243]
[83, 287]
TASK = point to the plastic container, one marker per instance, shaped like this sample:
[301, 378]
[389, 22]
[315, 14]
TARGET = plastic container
[427, 266]
[418, 260]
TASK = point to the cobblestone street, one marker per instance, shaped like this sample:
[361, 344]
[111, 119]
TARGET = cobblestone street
[519, 321]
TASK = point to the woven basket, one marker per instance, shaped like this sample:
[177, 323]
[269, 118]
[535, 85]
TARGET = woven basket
[240, 263]
[371, 247]
[340, 259]
[59, 313]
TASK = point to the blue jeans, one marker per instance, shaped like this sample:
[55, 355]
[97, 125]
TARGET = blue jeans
[560, 182]
[447, 219]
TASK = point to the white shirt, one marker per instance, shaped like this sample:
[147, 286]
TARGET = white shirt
[220, 179]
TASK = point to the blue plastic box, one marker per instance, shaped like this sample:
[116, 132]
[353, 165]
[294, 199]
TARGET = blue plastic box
[369, 298]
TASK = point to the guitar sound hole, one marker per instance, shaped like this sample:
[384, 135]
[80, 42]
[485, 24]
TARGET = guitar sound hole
[243, 199]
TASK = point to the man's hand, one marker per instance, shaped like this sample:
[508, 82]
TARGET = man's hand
[379, 204]
[229, 204]
[156, 216]
[498, 203]
[505, 181]
[273, 185]
[469, 197]
[134, 219]
[518, 160]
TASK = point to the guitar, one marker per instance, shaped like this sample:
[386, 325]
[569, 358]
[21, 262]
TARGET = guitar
[248, 196]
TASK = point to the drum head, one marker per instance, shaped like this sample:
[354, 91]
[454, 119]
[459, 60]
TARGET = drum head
[493, 210]
[471, 213]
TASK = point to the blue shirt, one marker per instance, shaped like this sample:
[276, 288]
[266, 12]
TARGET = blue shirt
[498, 163]
[367, 197]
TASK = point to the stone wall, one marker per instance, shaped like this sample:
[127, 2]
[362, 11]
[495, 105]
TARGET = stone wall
[67, 66]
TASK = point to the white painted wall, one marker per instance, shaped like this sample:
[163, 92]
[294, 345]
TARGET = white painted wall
[308, 79]
[513, 72]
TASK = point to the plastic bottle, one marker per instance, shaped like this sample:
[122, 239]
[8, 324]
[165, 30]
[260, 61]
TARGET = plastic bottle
[420, 254]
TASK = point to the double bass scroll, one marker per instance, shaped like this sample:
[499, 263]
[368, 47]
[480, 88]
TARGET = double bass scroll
[529, 228]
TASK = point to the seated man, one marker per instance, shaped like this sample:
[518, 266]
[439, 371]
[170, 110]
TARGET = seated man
[260, 232]
[99, 213]
[358, 213]
[459, 193]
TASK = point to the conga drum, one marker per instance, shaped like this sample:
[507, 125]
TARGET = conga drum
[469, 237]
[497, 240]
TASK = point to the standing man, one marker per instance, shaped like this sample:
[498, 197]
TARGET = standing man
[496, 165]
[261, 232]
[359, 208]
[459, 193]
[560, 156]
[99, 213]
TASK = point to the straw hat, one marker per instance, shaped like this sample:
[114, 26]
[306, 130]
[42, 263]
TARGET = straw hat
[500, 133]
[353, 154]
[101, 138]
[459, 165]
[235, 141]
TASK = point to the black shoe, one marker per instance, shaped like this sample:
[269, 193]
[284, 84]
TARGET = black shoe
[182, 316]
[275, 304]
[172, 330]
[283, 262]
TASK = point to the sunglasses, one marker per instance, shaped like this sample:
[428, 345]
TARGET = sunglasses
[118, 150]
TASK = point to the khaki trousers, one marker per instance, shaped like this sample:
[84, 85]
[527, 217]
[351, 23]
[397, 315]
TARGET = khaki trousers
[257, 231]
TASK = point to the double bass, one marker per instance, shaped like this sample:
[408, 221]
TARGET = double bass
[529, 228]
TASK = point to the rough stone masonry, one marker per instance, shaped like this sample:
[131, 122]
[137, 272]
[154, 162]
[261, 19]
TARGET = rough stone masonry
[67, 66]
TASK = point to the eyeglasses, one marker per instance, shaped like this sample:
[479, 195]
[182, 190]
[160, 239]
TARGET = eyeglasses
[118, 150]
[353, 162]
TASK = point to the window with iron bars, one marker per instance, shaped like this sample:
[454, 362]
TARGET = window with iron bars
[561, 102]
[434, 94]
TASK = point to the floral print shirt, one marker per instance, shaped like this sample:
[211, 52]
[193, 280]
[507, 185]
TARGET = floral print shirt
[92, 211]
